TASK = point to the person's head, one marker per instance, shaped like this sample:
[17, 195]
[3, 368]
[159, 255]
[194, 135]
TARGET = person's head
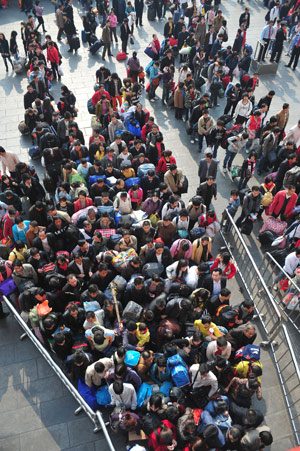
[222, 343]
[209, 180]
[131, 327]
[216, 274]
[249, 330]
[290, 190]
[208, 157]
[206, 321]
[234, 434]
[255, 191]
[72, 280]
[118, 387]
[155, 403]
[73, 310]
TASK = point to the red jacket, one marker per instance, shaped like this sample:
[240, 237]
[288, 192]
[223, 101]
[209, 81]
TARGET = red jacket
[97, 96]
[162, 165]
[77, 204]
[8, 225]
[278, 202]
[229, 271]
[52, 55]
[154, 438]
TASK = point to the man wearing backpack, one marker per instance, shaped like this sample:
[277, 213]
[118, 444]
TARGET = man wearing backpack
[284, 167]
[269, 147]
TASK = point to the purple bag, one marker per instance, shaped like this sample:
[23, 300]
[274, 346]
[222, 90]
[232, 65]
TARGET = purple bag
[7, 287]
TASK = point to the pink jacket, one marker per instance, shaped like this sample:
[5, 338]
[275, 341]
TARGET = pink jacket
[113, 21]
[176, 245]
[139, 199]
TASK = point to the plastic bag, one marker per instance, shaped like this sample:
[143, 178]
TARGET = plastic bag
[60, 71]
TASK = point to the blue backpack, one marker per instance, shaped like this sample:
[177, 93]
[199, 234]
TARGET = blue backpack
[144, 168]
[88, 394]
[94, 178]
[103, 396]
[175, 360]
[132, 181]
[34, 152]
[145, 391]
[132, 358]
[91, 108]
[248, 352]
[180, 376]
[165, 388]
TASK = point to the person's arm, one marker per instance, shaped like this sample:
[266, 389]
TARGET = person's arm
[133, 400]
[88, 377]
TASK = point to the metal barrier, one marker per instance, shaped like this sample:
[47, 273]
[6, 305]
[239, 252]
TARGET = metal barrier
[95, 417]
[252, 280]
[289, 375]
[269, 268]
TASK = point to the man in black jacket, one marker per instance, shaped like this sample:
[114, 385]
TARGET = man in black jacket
[124, 33]
[214, 282]
[71, 292]
[285, 166]
[102, 277]
[278, 43]
[69, 30]
[245, 18]
[149, 183]
[30, 97]
[251, 204]
[167, 61]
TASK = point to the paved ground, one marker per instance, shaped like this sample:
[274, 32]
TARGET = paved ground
[36, 410]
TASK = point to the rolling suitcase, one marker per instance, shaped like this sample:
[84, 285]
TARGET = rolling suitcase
[83, 36]
[95, 47]
[75, 43]
[151, 13]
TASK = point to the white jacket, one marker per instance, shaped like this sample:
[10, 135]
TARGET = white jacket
[291, 263]
[274, 13]
[124, 207]
[293, 135]
[243, 109]
[127, 398]
[92, 377]
[212, 348]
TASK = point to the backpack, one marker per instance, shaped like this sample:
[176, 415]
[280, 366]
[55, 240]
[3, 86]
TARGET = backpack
[267, 199]
[132, 358]
[248, 352]
[226, 316]
[233, 131]
[180, 375]
[290, 176]
[103, 396]
[145, 391]
[175, 360]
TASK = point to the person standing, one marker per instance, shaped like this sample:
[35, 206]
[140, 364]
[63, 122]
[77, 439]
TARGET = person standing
[60, 22]
[53, 57]
[265, 38]
[295, 52]
[4, 50]
[38, 10]
[278, 43]
[9, 161]
[106, 37]
[124, 33]
[70, 30]
[139, 8]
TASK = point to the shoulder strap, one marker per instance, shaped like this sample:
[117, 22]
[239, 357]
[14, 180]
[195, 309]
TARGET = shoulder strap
[192, 385]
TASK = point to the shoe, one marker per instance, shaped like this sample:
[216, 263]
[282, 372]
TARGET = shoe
[216, 160]
[70, 51]
[263, 60]
[215, 106]
[4, 315]
[258, 172]
[59, 77]
[199, 150]
[163, 102]
[271, 61]
[192, 141]
[152, 100]
[196, 139]
[287, 65]
[110, 54]
[225, 170]
[293, 68]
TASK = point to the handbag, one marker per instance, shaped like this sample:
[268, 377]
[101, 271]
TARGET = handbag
[60, 71]
[8, 286]
[198, 395]
[247, 226]
[149, 52]
[131, 40]
[155, 81]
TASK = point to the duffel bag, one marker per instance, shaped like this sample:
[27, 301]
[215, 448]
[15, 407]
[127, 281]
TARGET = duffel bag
[152, 268]
[132, 312]
[144, 168]
[275, 225]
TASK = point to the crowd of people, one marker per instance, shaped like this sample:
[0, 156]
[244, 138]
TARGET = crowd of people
[113, 271]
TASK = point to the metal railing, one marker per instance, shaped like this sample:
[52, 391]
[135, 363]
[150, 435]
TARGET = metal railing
[289, 375]
[252, 280]
[95, 417]
[289, 306]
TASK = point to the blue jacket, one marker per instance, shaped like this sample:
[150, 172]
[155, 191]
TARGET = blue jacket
[20, 234]
[153, 73]
[265, 32]
[159, 377]
[217, 45]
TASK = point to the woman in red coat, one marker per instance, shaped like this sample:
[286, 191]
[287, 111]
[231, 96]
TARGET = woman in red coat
[163, 438]
[82, 202]
[224, 262]
[164, 162]
[284, 203]
[53, 57]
